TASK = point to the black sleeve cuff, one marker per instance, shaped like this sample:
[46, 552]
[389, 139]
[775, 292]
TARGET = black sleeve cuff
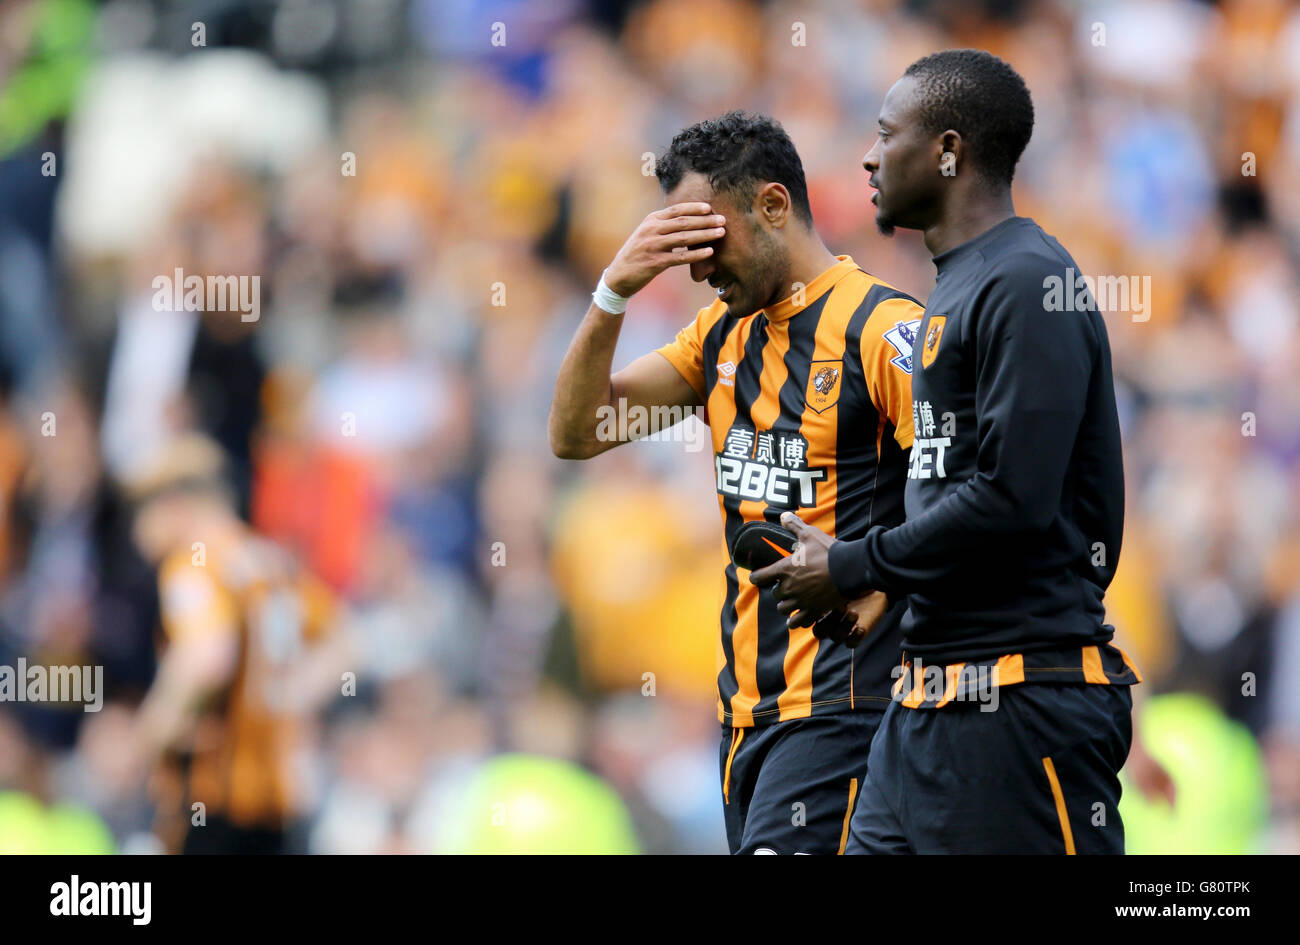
[847, 561]
[852, 569]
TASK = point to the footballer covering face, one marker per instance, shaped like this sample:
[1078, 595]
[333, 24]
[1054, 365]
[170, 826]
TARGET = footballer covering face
[802, 365]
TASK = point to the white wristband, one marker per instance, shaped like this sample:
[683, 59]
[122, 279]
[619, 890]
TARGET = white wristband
[607, 299]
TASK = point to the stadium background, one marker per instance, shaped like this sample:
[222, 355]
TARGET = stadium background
[432, 293]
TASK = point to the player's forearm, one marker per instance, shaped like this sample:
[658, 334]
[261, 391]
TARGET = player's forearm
[679, 235]
[190, 673]
[899, 560]
[583, 387]
[167, 713]
[1020, 496]
[315, 680]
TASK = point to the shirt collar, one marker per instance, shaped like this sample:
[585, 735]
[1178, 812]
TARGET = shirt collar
[813, 291]
[951, 258]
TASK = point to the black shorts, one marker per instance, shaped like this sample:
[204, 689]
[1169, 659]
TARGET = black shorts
[1039, 774]
[790, 787]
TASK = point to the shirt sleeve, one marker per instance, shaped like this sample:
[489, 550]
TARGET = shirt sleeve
[886, 362]
[686, 351]
[1032, 371]
[192, 602]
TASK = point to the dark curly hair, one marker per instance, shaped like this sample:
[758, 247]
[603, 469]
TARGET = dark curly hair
[737, 152]
[978, 95]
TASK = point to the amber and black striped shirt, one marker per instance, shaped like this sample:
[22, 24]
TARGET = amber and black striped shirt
[246, 745]
[810, 406]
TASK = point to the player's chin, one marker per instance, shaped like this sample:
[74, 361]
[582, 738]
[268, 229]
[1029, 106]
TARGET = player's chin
[885, 223]
[741, 308]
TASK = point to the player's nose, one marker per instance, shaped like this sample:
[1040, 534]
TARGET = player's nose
[871, 160]
[700, 271]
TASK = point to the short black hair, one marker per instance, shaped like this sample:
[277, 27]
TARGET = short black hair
[737, 152]
[981, 97]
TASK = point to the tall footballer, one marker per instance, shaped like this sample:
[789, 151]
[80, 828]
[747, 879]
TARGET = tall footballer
[1012, 712]
[802, 366]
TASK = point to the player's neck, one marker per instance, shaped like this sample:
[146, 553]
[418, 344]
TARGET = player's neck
[967, 217]
[809, 258]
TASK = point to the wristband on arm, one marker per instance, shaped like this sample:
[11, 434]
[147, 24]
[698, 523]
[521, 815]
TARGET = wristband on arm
[607, 300]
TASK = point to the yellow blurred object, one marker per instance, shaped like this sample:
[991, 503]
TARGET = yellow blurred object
[29, 827]
[643, 597]
[1135, 606]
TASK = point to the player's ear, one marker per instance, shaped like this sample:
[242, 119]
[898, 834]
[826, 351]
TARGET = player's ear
[773, 204]
[951, 153]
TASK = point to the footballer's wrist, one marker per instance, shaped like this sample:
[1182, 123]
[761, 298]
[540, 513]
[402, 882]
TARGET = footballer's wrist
[846, 560]
[851, 567]
[619, 284]
[607, 299]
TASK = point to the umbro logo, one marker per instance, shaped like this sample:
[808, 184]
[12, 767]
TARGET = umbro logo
[726, 372]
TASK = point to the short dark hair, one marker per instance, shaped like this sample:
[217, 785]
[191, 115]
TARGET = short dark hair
[981, 97]
[737, 152]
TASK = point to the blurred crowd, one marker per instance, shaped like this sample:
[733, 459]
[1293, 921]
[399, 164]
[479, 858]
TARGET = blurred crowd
[428, 190]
